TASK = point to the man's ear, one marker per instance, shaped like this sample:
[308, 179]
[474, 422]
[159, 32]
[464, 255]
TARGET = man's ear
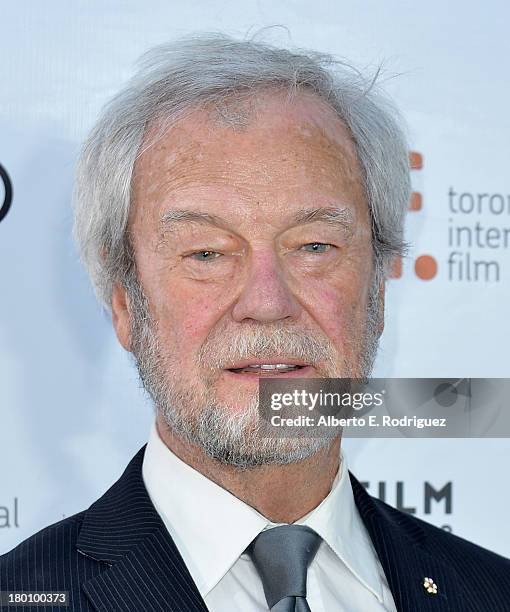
[380, 306]
[121, 316]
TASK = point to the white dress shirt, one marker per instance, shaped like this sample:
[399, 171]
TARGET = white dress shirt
[212, 528]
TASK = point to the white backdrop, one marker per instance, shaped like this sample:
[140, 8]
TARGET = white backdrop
[71, 412]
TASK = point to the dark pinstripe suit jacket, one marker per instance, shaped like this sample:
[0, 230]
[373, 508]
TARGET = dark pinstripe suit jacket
[117, 555]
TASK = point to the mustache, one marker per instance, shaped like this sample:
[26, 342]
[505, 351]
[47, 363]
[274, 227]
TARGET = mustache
[221, 348]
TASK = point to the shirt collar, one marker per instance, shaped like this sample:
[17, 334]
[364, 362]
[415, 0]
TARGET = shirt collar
[336, 519]
[212, 528]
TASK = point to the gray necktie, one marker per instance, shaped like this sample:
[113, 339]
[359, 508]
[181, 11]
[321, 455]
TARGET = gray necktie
[282, 556]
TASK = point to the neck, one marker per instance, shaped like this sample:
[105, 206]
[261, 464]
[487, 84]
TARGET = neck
[281, 493]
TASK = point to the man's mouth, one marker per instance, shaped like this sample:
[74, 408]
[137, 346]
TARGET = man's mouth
[273, 368]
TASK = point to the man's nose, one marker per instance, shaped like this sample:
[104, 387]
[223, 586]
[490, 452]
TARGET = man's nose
[265, 295]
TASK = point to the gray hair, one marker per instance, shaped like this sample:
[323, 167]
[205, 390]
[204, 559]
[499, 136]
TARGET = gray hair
[176, 78]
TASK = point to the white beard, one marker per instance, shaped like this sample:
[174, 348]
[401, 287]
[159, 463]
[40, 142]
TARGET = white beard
[228, 433]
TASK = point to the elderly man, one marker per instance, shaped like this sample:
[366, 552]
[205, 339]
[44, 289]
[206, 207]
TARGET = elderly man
[238, 207]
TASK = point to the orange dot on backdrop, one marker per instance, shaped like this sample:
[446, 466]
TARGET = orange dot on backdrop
[425, 267]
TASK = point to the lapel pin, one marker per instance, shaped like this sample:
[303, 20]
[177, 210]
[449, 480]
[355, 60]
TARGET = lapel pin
[430, 586]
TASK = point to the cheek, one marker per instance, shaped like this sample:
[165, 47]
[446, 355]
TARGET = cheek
[185, 318]
[340, 310]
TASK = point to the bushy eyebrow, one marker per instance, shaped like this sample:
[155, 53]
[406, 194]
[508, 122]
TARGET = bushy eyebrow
[336, 216]
[333, 215]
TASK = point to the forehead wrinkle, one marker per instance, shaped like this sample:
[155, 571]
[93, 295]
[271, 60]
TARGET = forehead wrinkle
[197, 167]
[186, 153]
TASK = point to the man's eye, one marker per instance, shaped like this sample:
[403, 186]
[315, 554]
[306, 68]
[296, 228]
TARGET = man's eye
[204, 255]
[317, 247]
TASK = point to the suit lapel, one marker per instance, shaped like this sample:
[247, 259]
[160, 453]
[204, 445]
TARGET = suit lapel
[400, 544]
[143, 568]
[151, 577]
